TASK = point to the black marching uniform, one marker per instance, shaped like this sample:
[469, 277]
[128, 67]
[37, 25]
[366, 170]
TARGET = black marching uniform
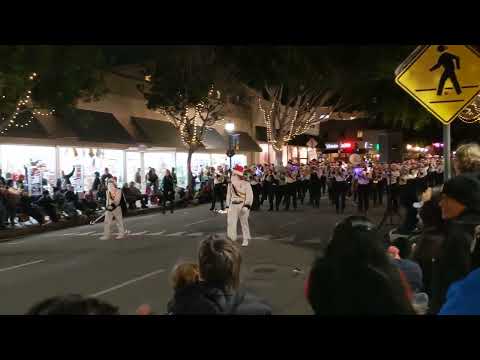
[218, 191]
[339, 189]
[270, 183]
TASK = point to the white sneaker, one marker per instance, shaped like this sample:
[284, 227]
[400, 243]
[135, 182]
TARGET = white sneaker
[105, 238]
[245, 243]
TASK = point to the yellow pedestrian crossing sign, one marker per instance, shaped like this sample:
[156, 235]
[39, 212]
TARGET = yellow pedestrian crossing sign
[442, 78]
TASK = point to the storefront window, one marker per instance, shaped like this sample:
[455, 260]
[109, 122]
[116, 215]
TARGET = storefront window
[199, 161]
[160, 161]
[133, 164]
[92, 160]
[271, 152]
[303, 154]
[263, 158]
[222, 159]
[312, 154]
[13, 159]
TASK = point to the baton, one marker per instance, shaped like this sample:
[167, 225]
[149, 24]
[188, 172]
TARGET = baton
[97, 219]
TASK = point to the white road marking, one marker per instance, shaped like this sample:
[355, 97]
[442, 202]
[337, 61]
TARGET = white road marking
[70, 234]
[21, 265]
[116, 287]
[198, 222]
[196, 234]
[266, 237]
[157, 233]
[177, 233]
[290, 223]
[139, 233]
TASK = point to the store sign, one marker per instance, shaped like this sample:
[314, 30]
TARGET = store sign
[331, 146]
[78, 182]
[34, 179]
[346, 145]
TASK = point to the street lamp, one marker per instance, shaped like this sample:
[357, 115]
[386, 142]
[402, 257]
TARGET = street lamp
[229, 128]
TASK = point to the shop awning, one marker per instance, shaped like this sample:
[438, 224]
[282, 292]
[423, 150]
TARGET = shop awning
[214, 141]
[95, 126]
[261, 133]
[246, 143]
[25, 126]
[157, 133]
[163, 134]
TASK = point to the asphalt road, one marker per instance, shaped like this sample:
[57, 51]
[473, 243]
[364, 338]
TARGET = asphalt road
[135, 270]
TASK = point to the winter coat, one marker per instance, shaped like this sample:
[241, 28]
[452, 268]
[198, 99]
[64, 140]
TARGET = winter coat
[459, 255]
[463, 297]
[205, 299]
[427, 250]
[167, 184]
[96, 184]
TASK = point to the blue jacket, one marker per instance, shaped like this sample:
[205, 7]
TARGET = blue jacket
[463, 297]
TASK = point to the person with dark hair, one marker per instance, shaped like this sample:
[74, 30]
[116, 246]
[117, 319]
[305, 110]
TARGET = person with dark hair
[96, 186]
[132, 195]
[460, 252]
[168, 191]
[429, 241]
[339, 184]
[73, 305]
[356, 277]
[218, 291]
[46, 203]
[315, 189]
[65, 180]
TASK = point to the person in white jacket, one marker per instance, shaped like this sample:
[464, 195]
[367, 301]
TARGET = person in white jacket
[239, 201]
[113, 212]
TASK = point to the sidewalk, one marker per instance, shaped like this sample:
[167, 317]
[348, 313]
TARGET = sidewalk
[10, 234]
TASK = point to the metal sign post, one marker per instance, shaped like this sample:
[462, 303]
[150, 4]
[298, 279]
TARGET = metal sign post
[447, 172]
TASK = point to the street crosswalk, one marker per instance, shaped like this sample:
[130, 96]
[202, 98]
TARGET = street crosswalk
[261, 237]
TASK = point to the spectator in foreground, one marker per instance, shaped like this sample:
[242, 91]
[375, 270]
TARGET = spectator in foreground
[467, 159]
[463, 297]
[218, 291]
[356, 277]
[429, 241]
[73, 305]
[409, 268]
[460, 253]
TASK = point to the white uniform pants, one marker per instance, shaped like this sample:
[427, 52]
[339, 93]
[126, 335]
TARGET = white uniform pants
[111, 217]
[235, 212]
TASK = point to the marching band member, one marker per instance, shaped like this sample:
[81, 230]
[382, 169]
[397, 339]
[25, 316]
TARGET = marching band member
[113, 212]
[239, 202]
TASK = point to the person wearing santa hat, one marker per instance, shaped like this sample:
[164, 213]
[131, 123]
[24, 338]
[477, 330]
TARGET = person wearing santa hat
[239, 202]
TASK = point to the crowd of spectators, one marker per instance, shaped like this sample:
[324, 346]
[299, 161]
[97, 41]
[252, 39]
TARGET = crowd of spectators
[435, 271]
[19, 207]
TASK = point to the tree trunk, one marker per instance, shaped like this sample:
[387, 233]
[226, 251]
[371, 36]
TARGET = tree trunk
[278, 157]
[189, 174]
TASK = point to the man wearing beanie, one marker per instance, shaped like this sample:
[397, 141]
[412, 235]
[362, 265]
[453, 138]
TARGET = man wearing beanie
[460, 253]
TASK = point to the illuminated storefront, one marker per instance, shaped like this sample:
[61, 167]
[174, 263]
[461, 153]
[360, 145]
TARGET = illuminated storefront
[92, 160]
[14, 159]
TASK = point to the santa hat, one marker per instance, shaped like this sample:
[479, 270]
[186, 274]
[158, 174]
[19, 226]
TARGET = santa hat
[238, 170]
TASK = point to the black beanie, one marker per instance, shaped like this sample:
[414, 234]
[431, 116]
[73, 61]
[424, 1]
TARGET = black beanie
[465, 189]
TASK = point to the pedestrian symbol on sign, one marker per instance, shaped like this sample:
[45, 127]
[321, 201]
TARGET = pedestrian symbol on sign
[442, 78]
[448, 62]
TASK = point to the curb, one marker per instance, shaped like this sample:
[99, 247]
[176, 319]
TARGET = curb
[11, 234]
